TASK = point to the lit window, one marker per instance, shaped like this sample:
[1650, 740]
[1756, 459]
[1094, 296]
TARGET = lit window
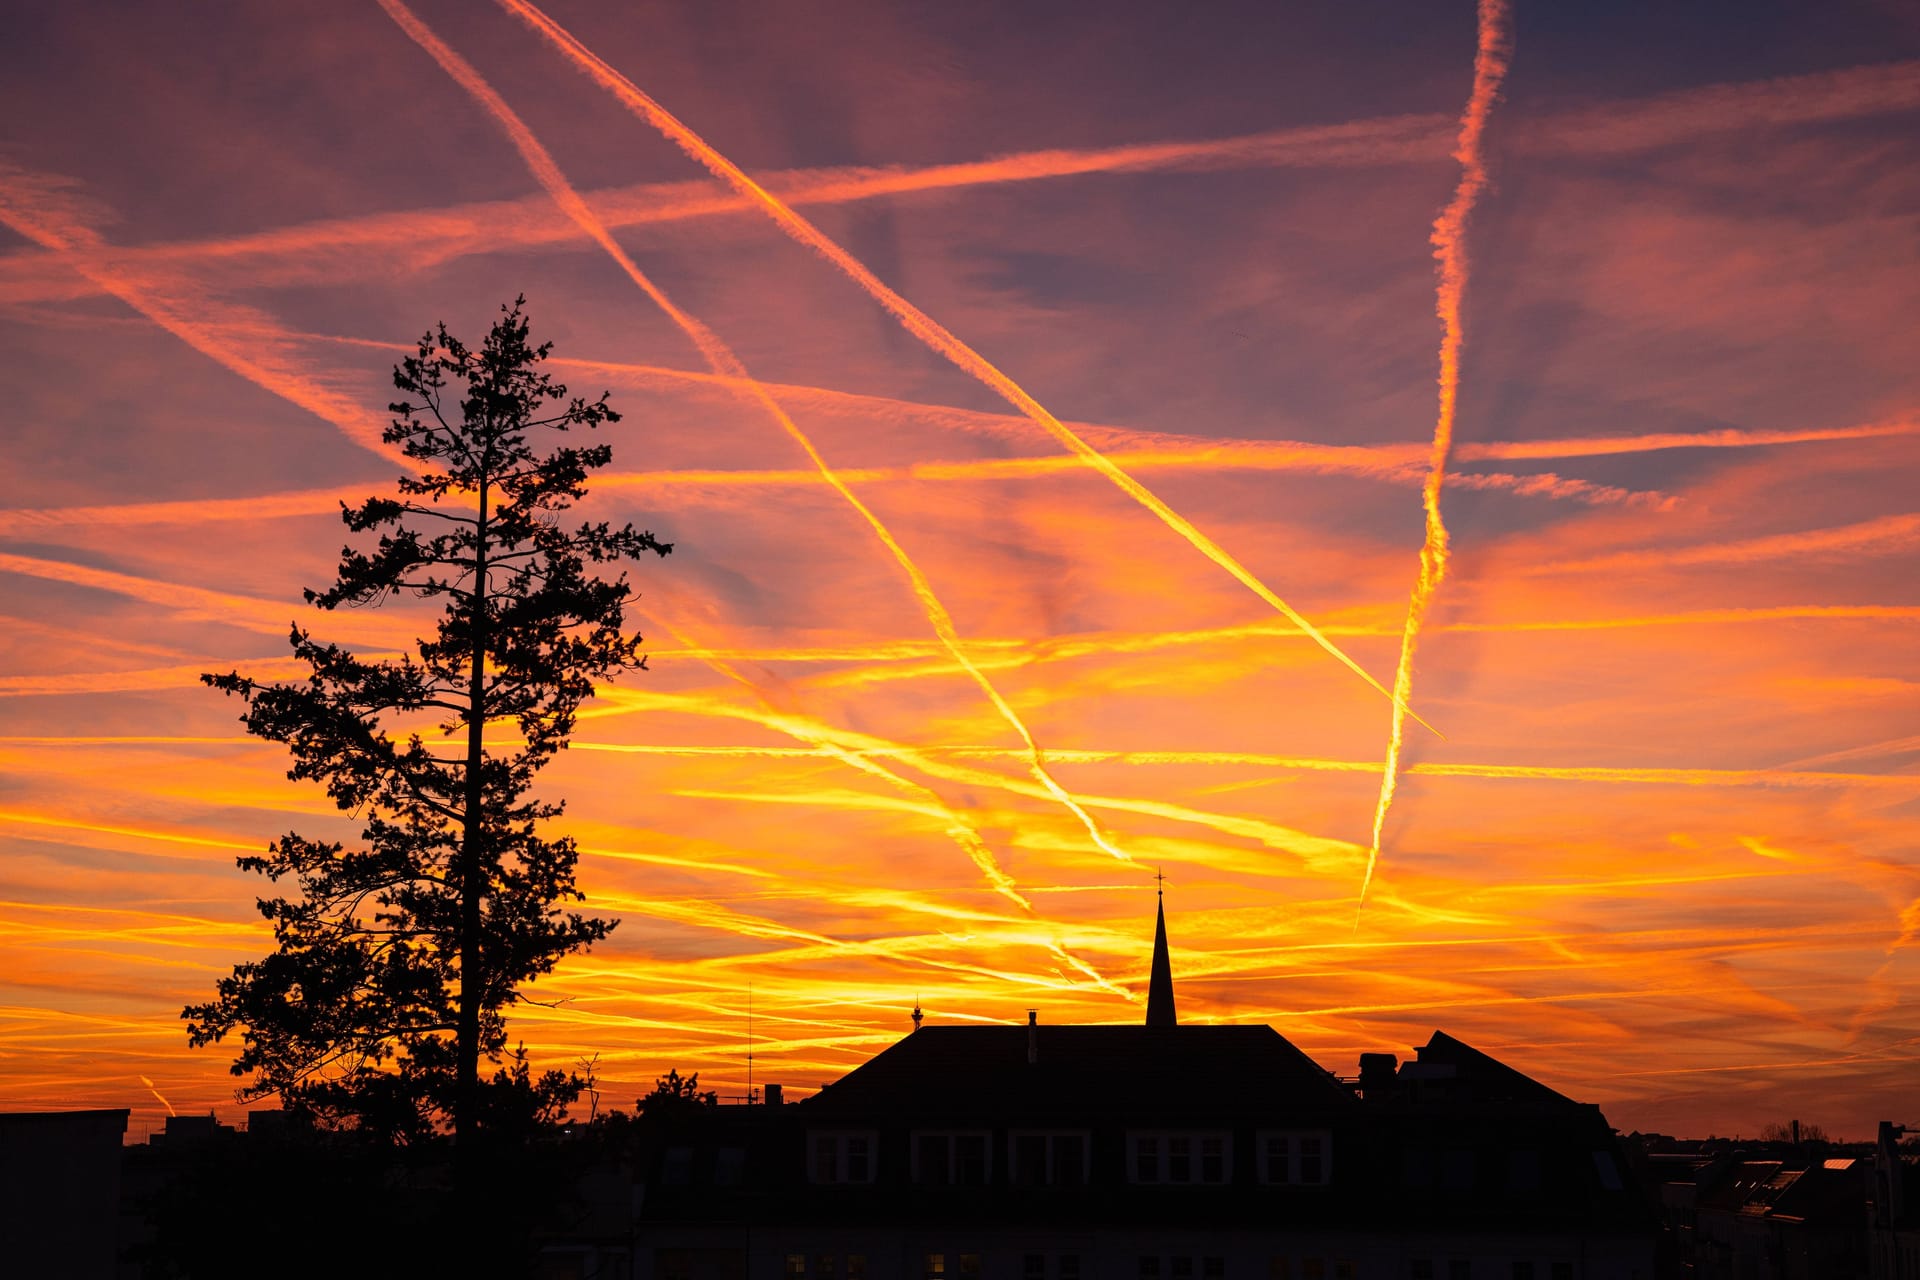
[796, 1266]
[936, 1267]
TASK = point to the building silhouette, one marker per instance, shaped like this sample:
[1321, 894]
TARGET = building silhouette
[1156, 1151]
[60, 1192]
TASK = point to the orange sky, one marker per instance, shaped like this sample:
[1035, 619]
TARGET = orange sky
[1664, 857]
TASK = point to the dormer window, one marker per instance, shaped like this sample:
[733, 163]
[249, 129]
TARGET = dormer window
[1296, 1158]
[1047, 1158]
[1180, 1157]
[951, 1158]
[842, 1158]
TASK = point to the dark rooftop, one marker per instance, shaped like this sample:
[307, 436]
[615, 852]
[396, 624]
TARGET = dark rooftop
[1086, 1070]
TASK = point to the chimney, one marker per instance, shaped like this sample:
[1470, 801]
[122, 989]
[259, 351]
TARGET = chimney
[774, 1095]
[1033, 1035]
[1376, 1075]
[1796, 1133]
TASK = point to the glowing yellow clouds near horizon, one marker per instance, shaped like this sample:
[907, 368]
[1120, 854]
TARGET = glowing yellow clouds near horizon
[928, 654]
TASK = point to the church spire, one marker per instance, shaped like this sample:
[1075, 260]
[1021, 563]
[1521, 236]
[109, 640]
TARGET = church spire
[1160, 984]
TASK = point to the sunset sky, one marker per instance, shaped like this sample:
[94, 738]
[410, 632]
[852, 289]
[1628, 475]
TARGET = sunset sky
[1666, 856]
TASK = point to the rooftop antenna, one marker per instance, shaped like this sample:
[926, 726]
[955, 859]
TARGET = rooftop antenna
[749, 1044]
[917, 1015]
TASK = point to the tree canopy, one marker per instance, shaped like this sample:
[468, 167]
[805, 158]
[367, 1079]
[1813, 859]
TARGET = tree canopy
[383, 1005]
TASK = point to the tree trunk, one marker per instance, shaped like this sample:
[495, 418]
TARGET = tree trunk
[472, 863]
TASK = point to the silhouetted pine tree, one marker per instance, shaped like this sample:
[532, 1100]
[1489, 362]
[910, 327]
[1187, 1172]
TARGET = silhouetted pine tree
[382, 1008]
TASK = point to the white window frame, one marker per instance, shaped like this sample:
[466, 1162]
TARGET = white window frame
[842, 1140]
[1048, 1178]
[1163, 1140]
[1292, 1138]
[953, 1137]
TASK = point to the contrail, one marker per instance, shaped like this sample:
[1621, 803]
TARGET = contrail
[724, 362]
[1495, 48]
[1378, 462]
[156, 1093]
[823, 744]
[957, 828]
[1878, 536]
[935, 336]
[320, 252]
[250, 613]
[59, 822]
[1784, 777]
[25, 206]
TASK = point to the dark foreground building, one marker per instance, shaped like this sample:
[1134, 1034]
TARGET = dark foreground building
[1151, 1152]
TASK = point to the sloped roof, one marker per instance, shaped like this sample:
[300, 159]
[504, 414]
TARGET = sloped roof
[1476, 1076]
[1087, 1071]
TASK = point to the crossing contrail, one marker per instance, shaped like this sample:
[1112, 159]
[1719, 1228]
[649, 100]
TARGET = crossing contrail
[922, 326]
[319, 252]
[957, 828]
[1495, 48]
[31, 205]
[721, 358]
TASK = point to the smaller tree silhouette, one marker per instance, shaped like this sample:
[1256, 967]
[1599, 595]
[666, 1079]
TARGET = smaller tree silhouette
[1793, 1131]
[396, 960]
[674, 1095]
